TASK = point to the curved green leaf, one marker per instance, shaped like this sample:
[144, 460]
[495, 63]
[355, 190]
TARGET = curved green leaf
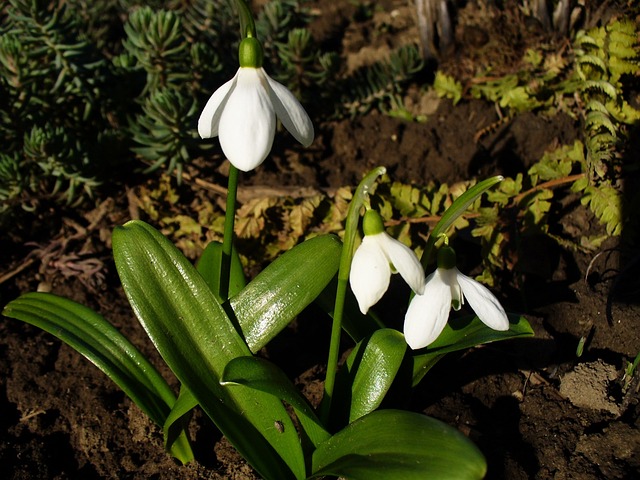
[457, 208]
[262, 375]
[209, 267]
[101, 343]
[177, 418]
[283, 289]
[373, 364]
[465, 332]
[195, 337]
[395, 444]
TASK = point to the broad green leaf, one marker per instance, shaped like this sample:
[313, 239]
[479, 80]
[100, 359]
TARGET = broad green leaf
[399, 445]
[461, 333]
[284, 288]
[101, 343]
[372, 366]
[195, 337]
[209, 267]
[457, 208]
[262, 375]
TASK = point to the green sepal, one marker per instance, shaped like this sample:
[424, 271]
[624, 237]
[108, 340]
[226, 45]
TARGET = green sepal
[196, 339]
[102, 344]
[284, 288]
[260, 374]
[465, 332]
[396, 444]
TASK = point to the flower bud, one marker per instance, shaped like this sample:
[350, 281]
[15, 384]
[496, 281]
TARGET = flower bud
[372, 223]
[446, 257]
[250, 53]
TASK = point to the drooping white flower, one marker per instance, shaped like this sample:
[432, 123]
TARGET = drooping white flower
[243, 112]
[378, 256]
[447, 288]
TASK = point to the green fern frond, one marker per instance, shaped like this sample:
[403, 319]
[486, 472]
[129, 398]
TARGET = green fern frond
[606, 203]
[448, 87]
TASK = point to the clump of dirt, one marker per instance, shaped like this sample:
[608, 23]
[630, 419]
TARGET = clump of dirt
[588, 386]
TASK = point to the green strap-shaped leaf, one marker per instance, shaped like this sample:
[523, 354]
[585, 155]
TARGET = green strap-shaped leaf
[399, 445]
[209, 267]
[367, 375]
[457, 208]
[262, 375]
[177, 418]
[283, 289]
[465, 332]
[373, 366]
[94, 337]
[195, 337]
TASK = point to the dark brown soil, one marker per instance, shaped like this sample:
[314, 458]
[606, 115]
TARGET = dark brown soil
[535, 408]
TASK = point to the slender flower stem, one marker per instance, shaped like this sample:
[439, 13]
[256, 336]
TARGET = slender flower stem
[350, 231]
[457, 208]
[247, 25]
[227, 242]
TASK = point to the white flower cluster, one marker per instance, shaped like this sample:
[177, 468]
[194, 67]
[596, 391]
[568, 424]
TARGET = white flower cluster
[379, 255]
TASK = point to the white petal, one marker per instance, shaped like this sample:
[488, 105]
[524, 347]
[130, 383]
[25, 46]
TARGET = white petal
[292, 115]
[484, 303]
[404, 261]
[248, 121]
[210, 116]
[370, 273]
[428, 313]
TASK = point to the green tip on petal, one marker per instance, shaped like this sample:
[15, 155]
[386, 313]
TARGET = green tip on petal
[250, 53]
[446, 257]
[372, 223]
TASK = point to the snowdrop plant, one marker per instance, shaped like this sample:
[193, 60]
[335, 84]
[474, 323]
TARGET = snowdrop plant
[243, 111]
[446, 288]
[378, 256]
[208, 324]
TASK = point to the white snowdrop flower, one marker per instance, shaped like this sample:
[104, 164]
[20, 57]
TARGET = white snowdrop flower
[447, 288]
[378, 256]
[243, 112]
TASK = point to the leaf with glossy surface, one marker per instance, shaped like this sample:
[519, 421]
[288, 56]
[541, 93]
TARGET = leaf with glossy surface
[284, 288]
[396, 444]
[101, 343]
[465, 332]
[195, 337]
[373, 365]
[260, 374]
[457, 208]
[177, 419]
[209, 267]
